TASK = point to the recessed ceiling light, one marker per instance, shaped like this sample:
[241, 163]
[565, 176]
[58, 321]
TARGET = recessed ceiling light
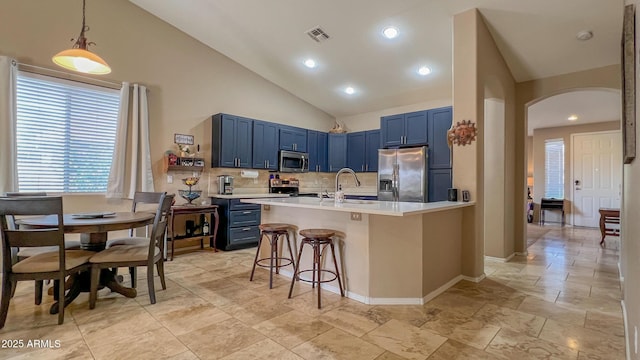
[390, 32]
[310, 63]
[584, 35]
[349, 90]
[424, 70]
[572, 118]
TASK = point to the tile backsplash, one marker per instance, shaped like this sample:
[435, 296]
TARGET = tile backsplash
[309, 182]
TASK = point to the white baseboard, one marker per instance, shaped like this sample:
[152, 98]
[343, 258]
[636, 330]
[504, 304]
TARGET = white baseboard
[621, 276]
[627, 344]
[430, 296]
[474, 279]
[507, 259]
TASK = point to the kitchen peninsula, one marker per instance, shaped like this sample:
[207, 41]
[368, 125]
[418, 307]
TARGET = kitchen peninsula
[389, 252]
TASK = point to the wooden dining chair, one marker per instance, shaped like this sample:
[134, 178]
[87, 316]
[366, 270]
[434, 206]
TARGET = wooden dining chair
[19, 254]
[134, 255]
[54, 265]
[142, 201]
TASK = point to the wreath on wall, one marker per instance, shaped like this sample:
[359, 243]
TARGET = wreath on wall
[462, 133]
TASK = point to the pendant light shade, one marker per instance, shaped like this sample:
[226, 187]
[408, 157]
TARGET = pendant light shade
[79, 58]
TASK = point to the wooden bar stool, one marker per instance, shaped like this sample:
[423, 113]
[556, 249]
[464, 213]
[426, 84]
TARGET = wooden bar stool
[273, 232]
[318, 239]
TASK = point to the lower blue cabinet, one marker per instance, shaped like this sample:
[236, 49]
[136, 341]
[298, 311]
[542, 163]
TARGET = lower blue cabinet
[238, 224]
[439, 182]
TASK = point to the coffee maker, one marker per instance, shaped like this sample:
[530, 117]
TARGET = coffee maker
[225, 184]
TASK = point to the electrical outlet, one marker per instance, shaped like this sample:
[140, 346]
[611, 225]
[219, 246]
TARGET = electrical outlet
[169, 179]
[196, 174]
[356, 216]
[266, 207]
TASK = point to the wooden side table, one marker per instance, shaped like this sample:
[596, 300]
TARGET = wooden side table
[177, 210]
[609, 216]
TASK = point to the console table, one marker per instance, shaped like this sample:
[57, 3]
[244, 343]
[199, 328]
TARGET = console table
[609, 216]
[178, 210]
[551, 204]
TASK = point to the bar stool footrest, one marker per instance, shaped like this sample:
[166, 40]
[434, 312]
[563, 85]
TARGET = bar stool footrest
[258, 262]
[299, 278]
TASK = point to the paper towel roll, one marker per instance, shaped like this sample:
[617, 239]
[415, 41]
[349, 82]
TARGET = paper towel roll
[248, 174]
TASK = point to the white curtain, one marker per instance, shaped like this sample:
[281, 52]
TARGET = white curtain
[131, 166]
[8, 120]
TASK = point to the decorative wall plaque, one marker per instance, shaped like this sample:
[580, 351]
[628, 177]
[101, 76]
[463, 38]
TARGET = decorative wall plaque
[183, 139]
[462, 133]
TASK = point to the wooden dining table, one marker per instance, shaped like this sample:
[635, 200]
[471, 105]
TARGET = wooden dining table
[93, 232]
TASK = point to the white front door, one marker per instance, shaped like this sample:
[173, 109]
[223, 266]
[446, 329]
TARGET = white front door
[597, 175]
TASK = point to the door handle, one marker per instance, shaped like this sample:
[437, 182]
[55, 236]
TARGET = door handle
[366, 167]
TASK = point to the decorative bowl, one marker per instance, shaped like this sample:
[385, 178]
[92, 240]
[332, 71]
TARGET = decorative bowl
[190, 181]
[190, 195]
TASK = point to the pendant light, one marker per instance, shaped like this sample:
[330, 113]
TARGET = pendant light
[79, 58]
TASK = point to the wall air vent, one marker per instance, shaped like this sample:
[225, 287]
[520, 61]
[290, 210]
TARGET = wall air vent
[318, 34]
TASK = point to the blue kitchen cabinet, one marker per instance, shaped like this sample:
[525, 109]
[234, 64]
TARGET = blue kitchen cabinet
[356, 151]
[317, 148]
[362, 150]
[371, 151]
[293, 138]
[231, 141]
[404, 129]
[265, 145]
[439, 151]
[337, 150]
[439, 182]
[392, 128]
[238, 225]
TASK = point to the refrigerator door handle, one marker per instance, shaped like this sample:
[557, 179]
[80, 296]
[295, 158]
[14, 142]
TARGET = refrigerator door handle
[396, 180]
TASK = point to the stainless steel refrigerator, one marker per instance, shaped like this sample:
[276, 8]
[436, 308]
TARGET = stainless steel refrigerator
[402, 174]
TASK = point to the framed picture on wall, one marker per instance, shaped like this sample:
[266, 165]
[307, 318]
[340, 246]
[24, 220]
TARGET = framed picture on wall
[628, 84]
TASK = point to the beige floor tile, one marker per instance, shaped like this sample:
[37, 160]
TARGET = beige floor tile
[457, 300]
[583, 339]
[405, 340]
[337, 344]
[462, 328]
[388, 355]
[355, 319]
[517, 345]
[512, 319]
[118, 326]
[415, 315]
[155, 344]
[539, 307]
[185, 314]
[605, 323]
[601, 304]
[292, 328]
[452, 349]
[256, 310]
[263, 350]
[221, 339]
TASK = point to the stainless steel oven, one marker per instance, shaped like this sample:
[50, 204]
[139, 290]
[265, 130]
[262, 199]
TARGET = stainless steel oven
[293, 162]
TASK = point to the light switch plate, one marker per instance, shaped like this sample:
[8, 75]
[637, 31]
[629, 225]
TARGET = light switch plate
[169, 179]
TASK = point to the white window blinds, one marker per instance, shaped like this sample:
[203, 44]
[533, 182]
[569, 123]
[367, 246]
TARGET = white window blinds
[65, 134]
[554, 168]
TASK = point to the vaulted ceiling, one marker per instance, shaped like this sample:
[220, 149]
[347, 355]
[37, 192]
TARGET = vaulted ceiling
[537, 39]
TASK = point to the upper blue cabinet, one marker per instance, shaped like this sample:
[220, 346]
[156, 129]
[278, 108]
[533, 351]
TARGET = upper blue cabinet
[317, 148]
[231, 141]
[439, 150]
[404, 129]
[337, 151]
[265, 145]
[362, 150]
[293, 138]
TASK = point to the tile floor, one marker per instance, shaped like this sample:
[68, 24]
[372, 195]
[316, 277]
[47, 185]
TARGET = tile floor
[562, 301]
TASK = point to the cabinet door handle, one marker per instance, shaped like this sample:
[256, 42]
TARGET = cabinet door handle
[246, 212]
[362, 167]
[267, 164]
[246, 229]
[366, 167]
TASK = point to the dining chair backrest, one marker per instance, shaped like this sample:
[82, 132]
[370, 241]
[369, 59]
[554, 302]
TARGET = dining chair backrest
[31, 206]
[10, 218]
[160, 225]
[145, 201]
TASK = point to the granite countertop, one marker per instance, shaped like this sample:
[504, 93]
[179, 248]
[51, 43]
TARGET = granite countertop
[248, 196]
[389, 208]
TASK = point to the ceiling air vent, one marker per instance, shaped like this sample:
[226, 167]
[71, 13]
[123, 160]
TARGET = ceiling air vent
[318, 34]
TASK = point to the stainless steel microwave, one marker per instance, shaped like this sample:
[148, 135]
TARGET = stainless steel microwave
[293, 162]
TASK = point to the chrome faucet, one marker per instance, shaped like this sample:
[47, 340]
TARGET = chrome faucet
[346, 170]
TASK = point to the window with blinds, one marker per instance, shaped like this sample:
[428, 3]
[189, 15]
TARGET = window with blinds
[65, 134]
[554, 168]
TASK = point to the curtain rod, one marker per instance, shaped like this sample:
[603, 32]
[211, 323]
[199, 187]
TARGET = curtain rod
[68, 76]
